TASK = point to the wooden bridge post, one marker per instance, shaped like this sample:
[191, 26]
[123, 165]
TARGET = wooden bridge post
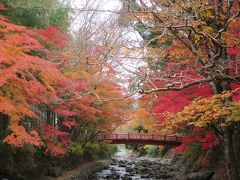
[128, 135]
[152, 136]
[116, 136]
[140, 136]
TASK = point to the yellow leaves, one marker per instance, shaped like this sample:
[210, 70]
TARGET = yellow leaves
[206, 14]
[198, 38]
[163, 37]
[141, 117]
[205, 111]
[156, 53]
[180, 54]
[207, 29]
[233, 113]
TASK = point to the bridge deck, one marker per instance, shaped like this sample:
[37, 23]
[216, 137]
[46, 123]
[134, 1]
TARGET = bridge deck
[140, 138]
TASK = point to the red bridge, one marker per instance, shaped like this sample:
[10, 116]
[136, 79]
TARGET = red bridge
[151, 139]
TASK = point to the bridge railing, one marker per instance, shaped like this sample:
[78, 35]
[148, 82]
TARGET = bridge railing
[141, 136]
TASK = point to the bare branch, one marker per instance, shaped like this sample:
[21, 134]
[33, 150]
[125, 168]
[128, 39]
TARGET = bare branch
[176, 88]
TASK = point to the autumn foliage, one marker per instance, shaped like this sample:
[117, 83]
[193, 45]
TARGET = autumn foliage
[45, 92]
[192, 52]
[199, 136]
[25, 82]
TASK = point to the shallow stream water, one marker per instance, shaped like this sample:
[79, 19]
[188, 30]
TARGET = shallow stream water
[129, 167]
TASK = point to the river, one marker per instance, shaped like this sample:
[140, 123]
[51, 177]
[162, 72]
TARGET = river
[126, 166]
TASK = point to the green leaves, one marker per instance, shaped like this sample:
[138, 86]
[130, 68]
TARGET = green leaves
[38, 14]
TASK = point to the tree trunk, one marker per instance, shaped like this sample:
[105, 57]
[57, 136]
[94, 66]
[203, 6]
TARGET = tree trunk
[4, 122]
[233, 173]
[232, 166]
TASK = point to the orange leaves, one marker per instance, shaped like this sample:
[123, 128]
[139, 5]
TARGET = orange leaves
[54, 150]
[8, 108]
[141, 117]
[19, 137]
[20, 42]
[25, 79]
[33, 77]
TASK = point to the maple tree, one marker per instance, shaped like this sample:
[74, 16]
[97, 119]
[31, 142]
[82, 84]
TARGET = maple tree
[199, 136]
[206, 112]
[141, 118]
[21, 73]
[74, 90]
[95, 44]
[56, 96]
[30, 81]
[49, 76]
[192, 48]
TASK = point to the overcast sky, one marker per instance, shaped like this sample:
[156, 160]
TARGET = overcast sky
[132, 37]
[104, 5]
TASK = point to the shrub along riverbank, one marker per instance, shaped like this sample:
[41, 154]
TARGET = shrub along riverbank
[25, 164]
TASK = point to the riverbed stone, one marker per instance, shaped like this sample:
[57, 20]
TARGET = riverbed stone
[179, 177]
[129, 169]
[114, 160]
[163, 175]
[155, 167]
[122, 162]
[185, 170]
[130, 163]
[127, 178]
[146, 163]
[93, 177]
[215, 177]
[171, 168]
[142, 170]
[113, 175]
[55, 171]
[200, 175]
[122, 165]
[145, 175]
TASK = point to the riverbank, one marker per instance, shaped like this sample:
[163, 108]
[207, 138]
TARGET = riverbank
[84, 170]
[150, 169]
[127, 166]
[130, 167]
[81, 172]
